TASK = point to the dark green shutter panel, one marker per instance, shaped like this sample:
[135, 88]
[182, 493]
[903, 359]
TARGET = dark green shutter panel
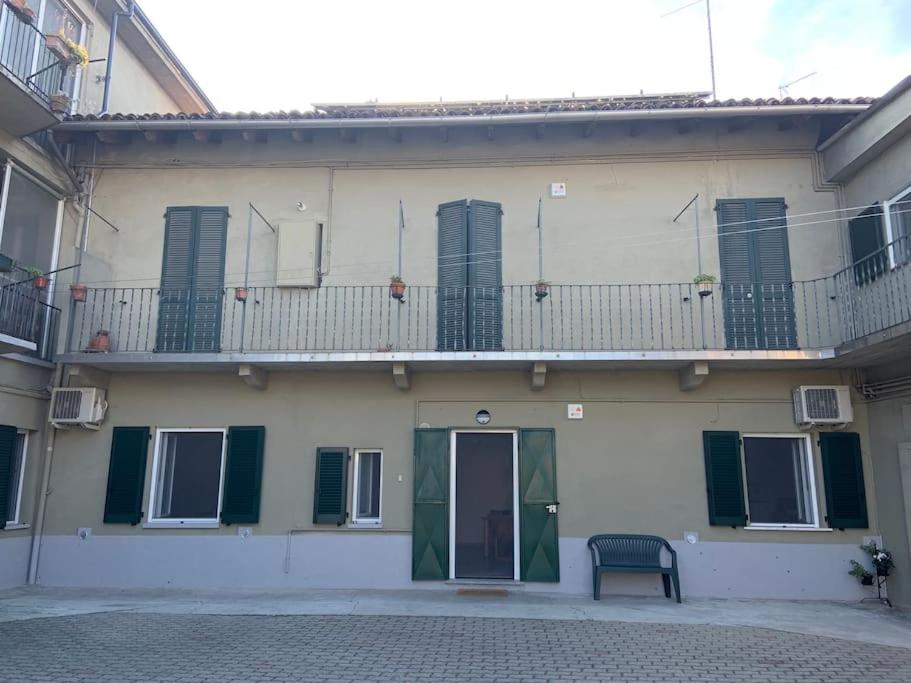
[776, 296]
[126, 475]
[723, 478]
[843, 471]
[330, 499]
[7, 451]
[430, 535]
[209, 279]
[539, 540]
[243, 475]
[867, 242]
[452, 275]
[176, 280]
[485, 282]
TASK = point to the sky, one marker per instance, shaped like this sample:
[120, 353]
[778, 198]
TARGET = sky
[250, 55]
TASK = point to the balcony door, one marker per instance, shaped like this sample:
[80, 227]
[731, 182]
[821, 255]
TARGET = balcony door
[192, 279]
[469, 276]
[756, 274]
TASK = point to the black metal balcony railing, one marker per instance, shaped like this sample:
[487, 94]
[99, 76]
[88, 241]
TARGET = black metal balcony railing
[826, 312]
[24, 316]
[24, 54]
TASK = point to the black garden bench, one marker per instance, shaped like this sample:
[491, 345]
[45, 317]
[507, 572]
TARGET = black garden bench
[632, 553]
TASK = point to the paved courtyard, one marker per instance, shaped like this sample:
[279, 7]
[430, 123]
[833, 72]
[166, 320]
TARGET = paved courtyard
[123, 646]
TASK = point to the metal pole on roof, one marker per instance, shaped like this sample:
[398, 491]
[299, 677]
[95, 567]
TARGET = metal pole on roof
[708, 16]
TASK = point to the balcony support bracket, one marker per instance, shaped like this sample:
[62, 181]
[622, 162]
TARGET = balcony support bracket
[87, 376]
[401, 376]
[693, 375]
[538, 376]
[253, 377]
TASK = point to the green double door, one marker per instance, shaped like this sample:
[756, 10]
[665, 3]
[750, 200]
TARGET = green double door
[539, 558]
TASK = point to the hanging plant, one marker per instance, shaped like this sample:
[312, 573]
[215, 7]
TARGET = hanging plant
[542, 288]
[79, 55]
[705, 283]
[396, 287]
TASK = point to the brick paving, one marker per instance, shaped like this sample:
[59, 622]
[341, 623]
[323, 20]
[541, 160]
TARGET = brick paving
[126, 647]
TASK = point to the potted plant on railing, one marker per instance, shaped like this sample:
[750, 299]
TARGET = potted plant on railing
[241, 294]
[21, 9]
[59, 102]
[704, 282]
[541, 289]
[67, 50]
[396, 287]
[39, 279]
[78, 292]
[100, 343]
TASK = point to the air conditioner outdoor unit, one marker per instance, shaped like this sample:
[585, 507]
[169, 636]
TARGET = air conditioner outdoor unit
[823, 405]
[80, 406]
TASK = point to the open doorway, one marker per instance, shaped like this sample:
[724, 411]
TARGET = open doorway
[484, 527]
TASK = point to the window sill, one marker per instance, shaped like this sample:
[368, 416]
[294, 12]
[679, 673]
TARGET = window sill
[365, 525]
[186, 524]
[15, 527]
[783, 527]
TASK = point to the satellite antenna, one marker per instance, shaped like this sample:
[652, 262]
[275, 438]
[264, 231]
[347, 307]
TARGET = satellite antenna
[708, 19]
[783, 89]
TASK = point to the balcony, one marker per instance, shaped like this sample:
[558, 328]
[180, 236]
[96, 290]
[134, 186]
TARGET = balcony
[27, 324]
[29, 74]
[808, 321]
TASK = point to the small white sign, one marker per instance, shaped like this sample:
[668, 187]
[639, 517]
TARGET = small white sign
[557, 190]
[574, 411]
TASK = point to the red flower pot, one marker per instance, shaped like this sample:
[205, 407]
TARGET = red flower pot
[397, 289]
[241, 293]
[22, 10]
[58, 46]
[78, 292]
[101, 342]
[41, 282]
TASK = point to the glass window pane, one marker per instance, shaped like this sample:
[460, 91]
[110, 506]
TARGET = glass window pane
[778, 487]
[189, 474]
[16, 474]
[368, 486]
[58, 20]
[900, 219]
[29, 224]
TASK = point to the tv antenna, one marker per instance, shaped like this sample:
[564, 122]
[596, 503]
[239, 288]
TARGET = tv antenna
[783, 89]
[708, 19]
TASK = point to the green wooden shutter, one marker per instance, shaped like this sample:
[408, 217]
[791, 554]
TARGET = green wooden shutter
[243, 475]
[452, 275]
[724, 478]
[485, 281]
[176, 280]
[208, 279]
[843, 471]
[867, 242]
[330, 498]
[773, 265]
[740, 323]
[126, 475]
[430, 536]
[538, 534]
[7, 455]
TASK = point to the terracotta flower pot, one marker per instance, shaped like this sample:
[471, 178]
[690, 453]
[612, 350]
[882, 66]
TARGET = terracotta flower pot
[58, 46]
[78, 292]
[101, 342]
[22, 10]
[41, 282]
[60, 103]
[241, 293]
[397, 289]
[705, 288]
[541, 290]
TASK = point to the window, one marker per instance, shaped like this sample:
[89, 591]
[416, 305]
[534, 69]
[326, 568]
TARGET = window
[17, 474]
[897, 214]
[187, 477]
[781, 488]
[368, 486]
[29, 223]
[867, 247]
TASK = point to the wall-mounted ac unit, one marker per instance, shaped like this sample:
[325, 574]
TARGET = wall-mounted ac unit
[80, 406]
[823, 405]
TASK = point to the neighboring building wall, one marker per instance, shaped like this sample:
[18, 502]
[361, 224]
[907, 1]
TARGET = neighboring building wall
[882, 179]
[633, 464]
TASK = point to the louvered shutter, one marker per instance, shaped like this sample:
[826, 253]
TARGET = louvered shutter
[724, 478]
[867, 242]
[7, 454]
[176, 280]
[776, 296]
[452, 275]
[430, 535]
[843, 471]
[126, 475]
[737, 274]
[330, 498]
[485, 296]
[209, 279]
[243, 475]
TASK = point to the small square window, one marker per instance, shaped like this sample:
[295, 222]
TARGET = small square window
[779, 478]
[188, 479]
[368, 485]
[16, 477]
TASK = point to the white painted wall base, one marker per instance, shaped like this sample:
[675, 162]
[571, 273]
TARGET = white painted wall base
[14, 554]
[789, 571]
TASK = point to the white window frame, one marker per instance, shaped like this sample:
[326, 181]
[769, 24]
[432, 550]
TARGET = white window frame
[356, 520]
[887, 222]
[186, 523]
[16, 522]
[810, 455]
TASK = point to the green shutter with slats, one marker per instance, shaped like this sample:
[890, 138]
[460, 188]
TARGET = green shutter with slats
[430, 523]
[485, 281]
[540, 550]
[330, 497]
[126, 475]
[243, 475]
[7, 455]
[843, 472]
[724, 478]
[176, 279]
[452, 276]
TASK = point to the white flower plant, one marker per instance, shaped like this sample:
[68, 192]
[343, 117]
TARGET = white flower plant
[883, 564]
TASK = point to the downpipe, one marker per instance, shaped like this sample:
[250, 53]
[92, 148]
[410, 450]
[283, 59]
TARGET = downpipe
[109, 70]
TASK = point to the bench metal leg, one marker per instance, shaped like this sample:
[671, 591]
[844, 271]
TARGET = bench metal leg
[596, 577]
[666, 580]
[676, 586]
